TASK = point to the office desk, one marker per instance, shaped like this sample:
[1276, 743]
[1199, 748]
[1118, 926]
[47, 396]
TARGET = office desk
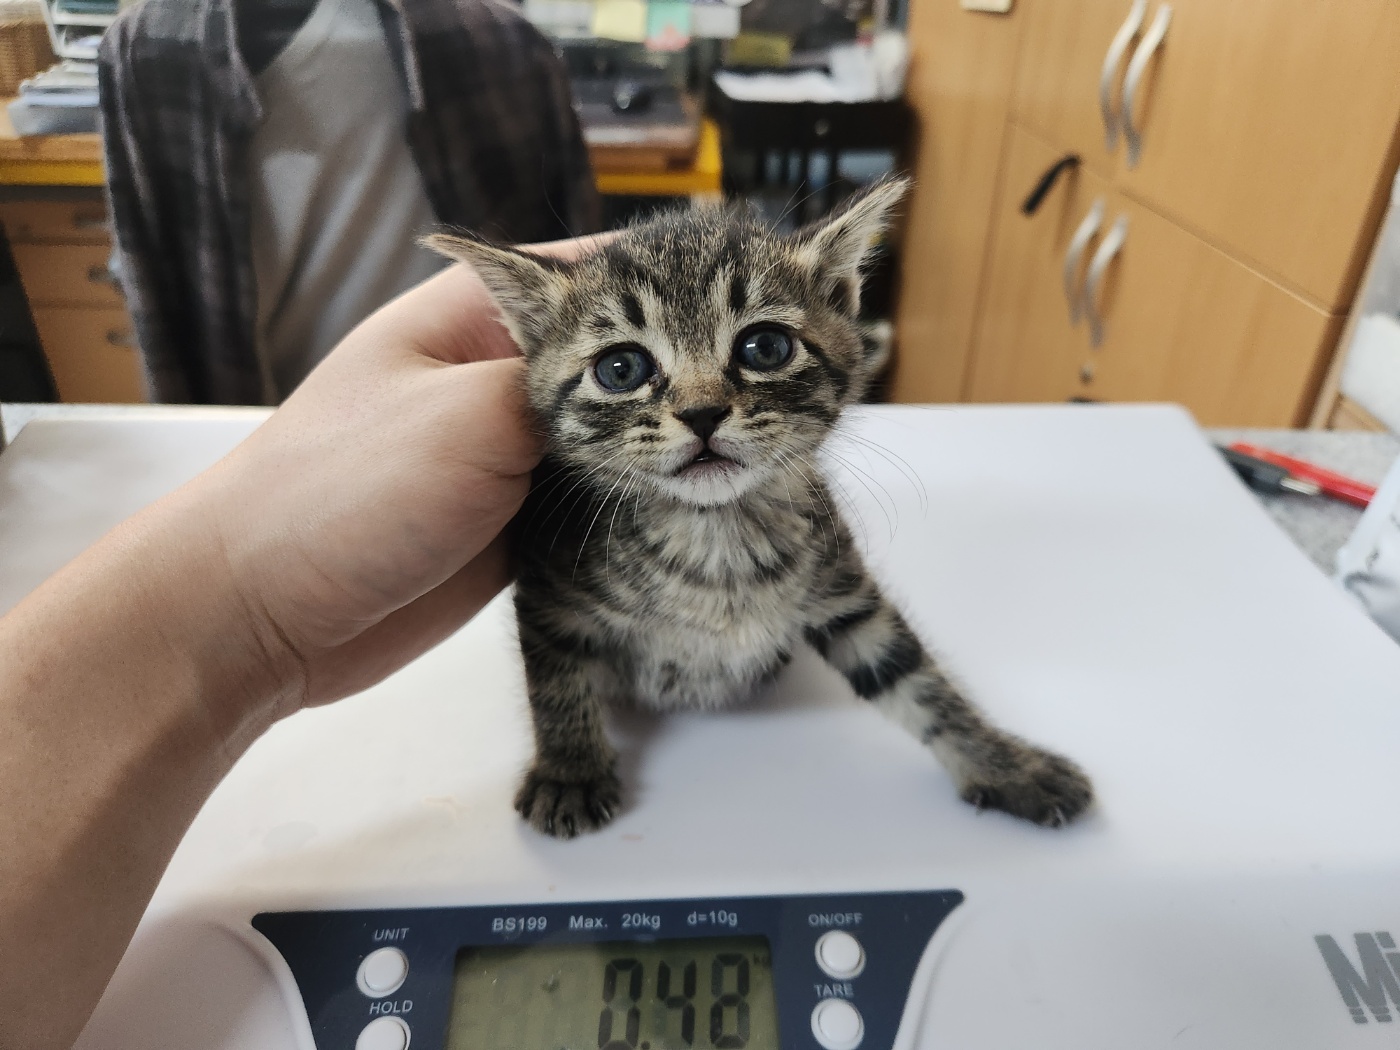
[76, 160]
[48, 160]
[54, 215]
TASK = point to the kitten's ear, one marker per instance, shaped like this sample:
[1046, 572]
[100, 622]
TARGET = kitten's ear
[528, 288]
[836, 248]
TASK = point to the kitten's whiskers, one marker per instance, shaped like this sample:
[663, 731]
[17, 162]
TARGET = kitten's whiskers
[816, 488]
[602, 506]
[561, 478]
[607, 545]
[894, 459]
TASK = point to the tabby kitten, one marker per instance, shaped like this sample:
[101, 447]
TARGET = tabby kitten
[679, 541]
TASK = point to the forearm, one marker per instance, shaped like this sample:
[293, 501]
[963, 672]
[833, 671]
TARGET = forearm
[129, 682]
[354, 530]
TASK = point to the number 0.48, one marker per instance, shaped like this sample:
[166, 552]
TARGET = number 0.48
[620, 1023]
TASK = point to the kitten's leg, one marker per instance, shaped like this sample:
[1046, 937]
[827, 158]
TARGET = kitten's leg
[572, 787]
[865, 638]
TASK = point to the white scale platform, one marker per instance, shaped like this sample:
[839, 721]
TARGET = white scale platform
[1096, 576]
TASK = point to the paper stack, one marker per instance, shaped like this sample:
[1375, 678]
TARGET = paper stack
[63, 98]
[60, 100]
[663, 25]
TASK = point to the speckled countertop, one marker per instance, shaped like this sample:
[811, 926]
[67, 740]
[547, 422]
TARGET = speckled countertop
[1319, 526]
[1316, 524]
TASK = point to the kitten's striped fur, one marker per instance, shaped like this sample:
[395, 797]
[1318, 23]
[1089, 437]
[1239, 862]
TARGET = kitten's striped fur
[647, 579]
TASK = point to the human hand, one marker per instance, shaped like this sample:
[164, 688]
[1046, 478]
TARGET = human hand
[361, 524]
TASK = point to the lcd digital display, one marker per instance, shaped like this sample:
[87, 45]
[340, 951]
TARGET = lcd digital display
[698, 994]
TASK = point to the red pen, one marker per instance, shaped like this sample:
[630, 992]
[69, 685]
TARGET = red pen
[1338, 486]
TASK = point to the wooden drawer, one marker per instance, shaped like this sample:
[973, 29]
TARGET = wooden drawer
[1027, 348]
[92, 354]
[1182, 321]
[74, 222]
[67, 274]
[1187, 323]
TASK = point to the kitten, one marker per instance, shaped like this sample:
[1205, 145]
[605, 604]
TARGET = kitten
[679, 542]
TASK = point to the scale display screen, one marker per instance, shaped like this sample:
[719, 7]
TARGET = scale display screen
[713, 993]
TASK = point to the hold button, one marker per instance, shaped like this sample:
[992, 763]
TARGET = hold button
[383, 1033]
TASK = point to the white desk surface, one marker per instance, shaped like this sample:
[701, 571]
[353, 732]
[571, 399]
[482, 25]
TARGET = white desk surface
[1318, 526]
[1096, 576]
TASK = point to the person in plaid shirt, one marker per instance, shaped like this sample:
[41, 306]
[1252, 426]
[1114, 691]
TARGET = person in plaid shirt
[489, 122]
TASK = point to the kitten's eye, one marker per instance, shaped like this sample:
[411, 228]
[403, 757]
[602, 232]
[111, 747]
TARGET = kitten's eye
[624, 368]
[764, 348]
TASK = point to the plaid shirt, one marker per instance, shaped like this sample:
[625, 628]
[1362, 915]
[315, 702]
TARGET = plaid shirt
[491, 126]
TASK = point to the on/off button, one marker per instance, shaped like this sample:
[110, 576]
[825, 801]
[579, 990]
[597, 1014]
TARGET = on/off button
[840, 955]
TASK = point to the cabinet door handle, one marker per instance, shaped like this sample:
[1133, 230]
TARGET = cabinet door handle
[101, 275]
[1151, 41]
[1111, 59]
[1037, 196]
[1088, 226]
[1112, 244]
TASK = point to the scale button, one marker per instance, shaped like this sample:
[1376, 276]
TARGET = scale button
[840, 955]
[382, 972]
[836, 1024]
[383, 1033]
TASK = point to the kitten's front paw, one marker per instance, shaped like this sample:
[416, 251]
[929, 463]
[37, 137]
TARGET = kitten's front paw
[565, 808]
[1035, 785]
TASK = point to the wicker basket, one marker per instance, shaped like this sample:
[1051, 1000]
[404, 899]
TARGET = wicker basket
[24, 45]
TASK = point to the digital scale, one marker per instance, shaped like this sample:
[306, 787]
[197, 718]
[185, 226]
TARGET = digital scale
[720, 974]
[799, 874]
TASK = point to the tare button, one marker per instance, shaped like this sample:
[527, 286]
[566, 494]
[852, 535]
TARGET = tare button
[836, 1024]
[840, 955]
[382, 972]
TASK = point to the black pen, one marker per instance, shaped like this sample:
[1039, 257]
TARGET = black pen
[1263, 476]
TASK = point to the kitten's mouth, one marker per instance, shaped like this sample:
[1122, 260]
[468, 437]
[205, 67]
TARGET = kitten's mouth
[708, 462]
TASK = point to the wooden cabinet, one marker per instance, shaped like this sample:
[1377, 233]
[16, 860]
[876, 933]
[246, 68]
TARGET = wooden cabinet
[1268, 134]
[61, 248]
[960, 80]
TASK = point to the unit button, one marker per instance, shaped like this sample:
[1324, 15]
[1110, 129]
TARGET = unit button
[840, 955]
[383, 1033]
[836, 1024]
[382, 972]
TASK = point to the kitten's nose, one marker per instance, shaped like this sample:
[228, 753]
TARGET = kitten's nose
[705, 419]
